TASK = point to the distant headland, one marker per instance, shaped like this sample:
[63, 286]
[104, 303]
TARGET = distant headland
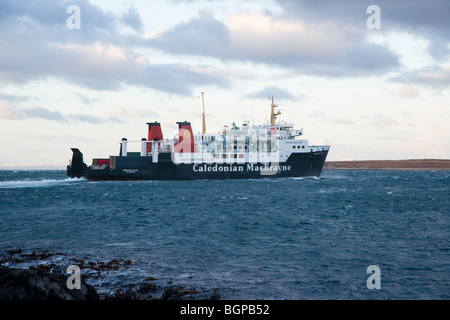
[413, 164]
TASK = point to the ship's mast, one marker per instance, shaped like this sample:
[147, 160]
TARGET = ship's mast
[203, 116]
[273, 115]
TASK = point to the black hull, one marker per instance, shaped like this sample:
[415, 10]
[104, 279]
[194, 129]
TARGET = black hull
[142, 168]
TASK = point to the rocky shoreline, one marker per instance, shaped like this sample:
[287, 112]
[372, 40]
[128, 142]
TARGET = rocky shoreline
[41, 275]
[416, 164]
[27, 284]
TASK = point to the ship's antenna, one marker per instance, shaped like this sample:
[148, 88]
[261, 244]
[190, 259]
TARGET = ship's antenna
[273, 115]
[203, 116]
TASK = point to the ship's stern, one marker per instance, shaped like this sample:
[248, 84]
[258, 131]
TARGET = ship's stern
[76, 168]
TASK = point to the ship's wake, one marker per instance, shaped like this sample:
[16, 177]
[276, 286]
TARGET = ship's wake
[44, 183]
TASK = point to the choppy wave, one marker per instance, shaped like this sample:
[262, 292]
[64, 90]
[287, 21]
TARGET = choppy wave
[252, 239]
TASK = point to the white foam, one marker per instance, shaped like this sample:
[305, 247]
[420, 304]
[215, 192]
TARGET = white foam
[35, 183]
[304, 178]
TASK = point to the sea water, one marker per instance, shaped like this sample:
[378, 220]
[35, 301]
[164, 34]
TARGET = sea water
[290, 238]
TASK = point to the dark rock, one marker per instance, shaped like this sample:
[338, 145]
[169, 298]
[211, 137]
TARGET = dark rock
[21, 284]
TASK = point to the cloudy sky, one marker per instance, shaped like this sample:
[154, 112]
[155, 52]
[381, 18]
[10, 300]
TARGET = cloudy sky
[370, 93]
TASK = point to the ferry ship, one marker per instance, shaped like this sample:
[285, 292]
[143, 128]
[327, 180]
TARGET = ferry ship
[272, 150]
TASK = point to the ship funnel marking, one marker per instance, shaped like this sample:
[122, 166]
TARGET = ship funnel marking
[186, 143]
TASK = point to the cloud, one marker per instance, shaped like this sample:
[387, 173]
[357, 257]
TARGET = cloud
[203, 36]
[7, 111]
[436, 77]
[408, 92]
[321, 48]
[423, 20]
[86, 100]
[272, 91]
[10, 112]
[43, 113]
[13, 98]
[393, 12]
[77, 117]
[36, 45]
[317, 114]
[342, 121]
[286, 42]
[427, 19]
[323, 116]
[51, 16]
[132, 19]
[381, 120]
[122, 112]
[325, 38]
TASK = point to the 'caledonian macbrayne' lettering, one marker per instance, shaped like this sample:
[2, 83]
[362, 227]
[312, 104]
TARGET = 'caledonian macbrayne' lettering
[239, 168]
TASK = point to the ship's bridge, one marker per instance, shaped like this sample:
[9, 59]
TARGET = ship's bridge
[285, 131]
